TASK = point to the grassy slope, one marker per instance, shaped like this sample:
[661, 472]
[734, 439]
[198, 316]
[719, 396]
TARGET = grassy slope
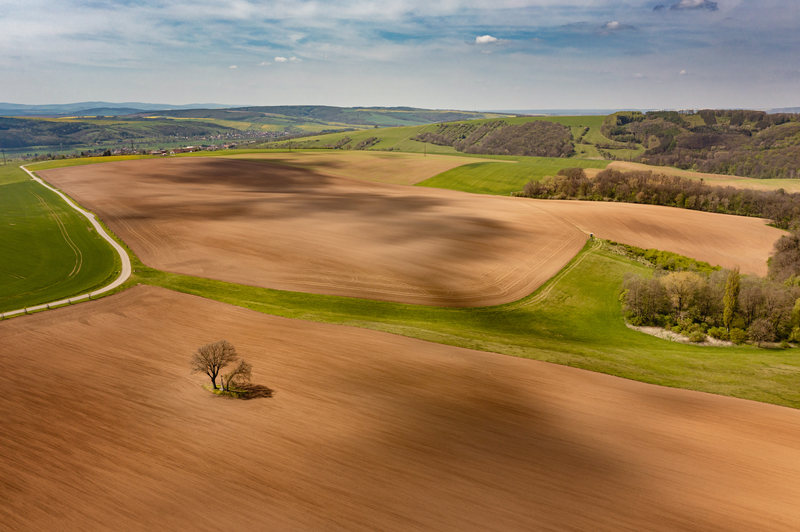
[572, 320]
[504, 178]
[37, 263]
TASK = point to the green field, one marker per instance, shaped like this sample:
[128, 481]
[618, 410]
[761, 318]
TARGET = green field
[504, 178]
[49, 251]
[389, 138]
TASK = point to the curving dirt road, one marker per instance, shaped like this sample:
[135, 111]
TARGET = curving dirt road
[124, 273]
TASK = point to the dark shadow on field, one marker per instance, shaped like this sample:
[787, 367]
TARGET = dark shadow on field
[287, 191]
[135, 196]
[490, 441]
[255, 391]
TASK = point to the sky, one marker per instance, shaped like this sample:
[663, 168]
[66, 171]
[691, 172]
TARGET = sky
[445, 54]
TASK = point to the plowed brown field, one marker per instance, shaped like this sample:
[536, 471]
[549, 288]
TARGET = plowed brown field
[104, 429]
[386, 167]
[288, 228]
[295, 229]
[719, 239]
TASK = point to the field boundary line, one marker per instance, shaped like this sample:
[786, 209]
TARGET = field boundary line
[125, 272]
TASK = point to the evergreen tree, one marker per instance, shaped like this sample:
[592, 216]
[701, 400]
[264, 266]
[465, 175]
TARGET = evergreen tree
[731, 299]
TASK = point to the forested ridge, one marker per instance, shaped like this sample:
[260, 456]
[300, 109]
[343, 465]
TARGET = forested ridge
[535, 139]
[733, 142]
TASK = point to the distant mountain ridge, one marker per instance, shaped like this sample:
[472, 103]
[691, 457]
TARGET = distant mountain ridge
[91, 108]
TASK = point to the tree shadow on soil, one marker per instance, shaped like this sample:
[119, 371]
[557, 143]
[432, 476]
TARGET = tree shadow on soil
[256, 391]
[243, 391]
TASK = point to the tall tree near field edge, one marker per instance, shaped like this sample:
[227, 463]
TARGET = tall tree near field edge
[731, 299]
[211, 358]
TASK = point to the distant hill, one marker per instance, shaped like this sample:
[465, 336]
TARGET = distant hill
[784, 110]
[19, 133]
[297, 115]
[91, 108]
[87, 124]
[739, 142]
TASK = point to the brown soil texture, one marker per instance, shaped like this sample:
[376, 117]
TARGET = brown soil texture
[294, 229]
[276, 226]
[386, 167]
[105, 429]
[719, 239]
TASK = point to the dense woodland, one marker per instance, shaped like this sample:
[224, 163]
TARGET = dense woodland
[721, 304]
[657, 189]
[745, 143]
[536, 139]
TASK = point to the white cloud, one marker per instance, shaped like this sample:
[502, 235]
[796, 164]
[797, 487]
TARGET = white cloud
[280, 60]
[683, 72]
[264, 63]
[233, 66]
[486, 39]
[612, 25]
[295, 60]
[638, 76]
[696, 4]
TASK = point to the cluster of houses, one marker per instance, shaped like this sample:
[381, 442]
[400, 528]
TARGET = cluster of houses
[191, 149]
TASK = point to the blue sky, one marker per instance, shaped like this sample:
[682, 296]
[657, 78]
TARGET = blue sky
[507, 54]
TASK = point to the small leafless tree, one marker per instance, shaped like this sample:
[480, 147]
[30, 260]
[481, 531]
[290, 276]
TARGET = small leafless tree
[761, 331]
[241, 374]
[211, 358]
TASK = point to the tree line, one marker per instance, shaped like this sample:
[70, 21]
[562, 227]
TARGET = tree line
[657, 189]
[722, 304]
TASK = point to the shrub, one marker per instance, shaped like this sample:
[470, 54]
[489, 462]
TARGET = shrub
[697, 337]
[738, 336]
[718, 332]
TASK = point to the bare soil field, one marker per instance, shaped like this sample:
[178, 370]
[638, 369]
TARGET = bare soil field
[789, 185]
[719, 239]
[288, 228]
[385, 167]
[104, 428]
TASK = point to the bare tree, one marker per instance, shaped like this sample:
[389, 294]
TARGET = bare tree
[761, 331]
[241, 374]
[211, 358]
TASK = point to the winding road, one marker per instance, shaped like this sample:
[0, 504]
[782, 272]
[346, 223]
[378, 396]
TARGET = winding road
[126, 262]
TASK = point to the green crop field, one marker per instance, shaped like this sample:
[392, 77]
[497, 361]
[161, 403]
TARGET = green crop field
[586, 151]
[49, 251]
[504, 178]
